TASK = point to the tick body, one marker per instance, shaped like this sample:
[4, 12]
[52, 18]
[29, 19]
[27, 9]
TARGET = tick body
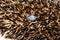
[31, 17]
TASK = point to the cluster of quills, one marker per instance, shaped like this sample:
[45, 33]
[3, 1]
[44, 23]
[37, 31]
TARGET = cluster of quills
[30, 19]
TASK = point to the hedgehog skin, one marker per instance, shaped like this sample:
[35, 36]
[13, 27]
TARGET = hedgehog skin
[15, 25]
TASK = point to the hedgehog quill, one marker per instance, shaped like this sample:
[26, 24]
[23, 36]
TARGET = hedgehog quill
[30, 19]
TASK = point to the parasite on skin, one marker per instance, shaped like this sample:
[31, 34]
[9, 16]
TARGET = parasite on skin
[31, 17]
